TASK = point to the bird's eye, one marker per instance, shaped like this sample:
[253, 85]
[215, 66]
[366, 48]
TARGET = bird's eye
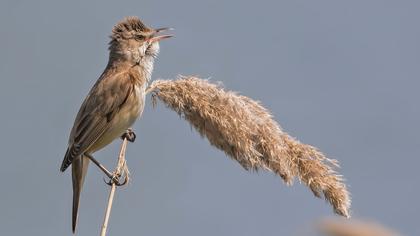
[139, 37]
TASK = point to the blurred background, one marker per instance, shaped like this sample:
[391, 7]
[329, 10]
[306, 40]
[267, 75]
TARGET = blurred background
[339, 75]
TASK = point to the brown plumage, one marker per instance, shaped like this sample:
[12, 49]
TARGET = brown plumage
[247, 132]
[115, 101]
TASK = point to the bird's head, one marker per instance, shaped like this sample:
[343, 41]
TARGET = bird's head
[133, 41]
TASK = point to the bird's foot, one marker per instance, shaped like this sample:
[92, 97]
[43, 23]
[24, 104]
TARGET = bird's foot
[129, 135]
[115, 179]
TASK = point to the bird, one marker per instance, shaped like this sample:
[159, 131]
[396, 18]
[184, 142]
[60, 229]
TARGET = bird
[115, 101]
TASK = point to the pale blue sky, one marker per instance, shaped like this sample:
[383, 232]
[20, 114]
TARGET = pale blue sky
[340, 75]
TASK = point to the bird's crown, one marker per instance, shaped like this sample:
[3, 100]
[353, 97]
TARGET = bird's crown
[128, 27]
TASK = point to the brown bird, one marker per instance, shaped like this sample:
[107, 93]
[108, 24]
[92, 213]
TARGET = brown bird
[115, 101]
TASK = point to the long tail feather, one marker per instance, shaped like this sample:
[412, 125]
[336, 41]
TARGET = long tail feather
[79, 170]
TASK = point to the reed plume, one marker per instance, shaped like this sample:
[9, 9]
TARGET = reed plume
[247, 132]
[354, 228]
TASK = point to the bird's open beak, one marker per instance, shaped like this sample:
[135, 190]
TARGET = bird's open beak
[157, 38]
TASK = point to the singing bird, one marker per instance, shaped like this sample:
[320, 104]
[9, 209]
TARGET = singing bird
[115, 101]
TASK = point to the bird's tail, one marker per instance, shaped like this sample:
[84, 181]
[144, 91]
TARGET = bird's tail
[79, 169]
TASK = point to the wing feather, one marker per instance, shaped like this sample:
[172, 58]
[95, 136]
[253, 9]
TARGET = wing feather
[103, 102]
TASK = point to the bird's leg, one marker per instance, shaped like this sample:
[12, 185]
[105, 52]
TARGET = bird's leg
[107, 172]
[113, 177]
[129, 135]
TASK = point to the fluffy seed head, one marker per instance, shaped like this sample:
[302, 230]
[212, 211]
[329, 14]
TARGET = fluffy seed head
[332, 227]
[247, 132]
